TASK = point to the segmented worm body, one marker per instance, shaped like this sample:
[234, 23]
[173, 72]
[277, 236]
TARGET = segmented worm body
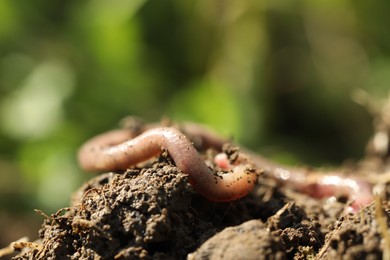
[317, 185]
[321, 185]
[120, 149]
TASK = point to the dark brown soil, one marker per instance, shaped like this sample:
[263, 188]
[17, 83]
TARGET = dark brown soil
[153, 213]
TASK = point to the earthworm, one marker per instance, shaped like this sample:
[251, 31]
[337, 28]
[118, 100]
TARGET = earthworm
[111, 151]
[322, 185]
[114, 151]
[317, 185]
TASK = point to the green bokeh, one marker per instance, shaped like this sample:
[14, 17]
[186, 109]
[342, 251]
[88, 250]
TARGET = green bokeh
[275, 75]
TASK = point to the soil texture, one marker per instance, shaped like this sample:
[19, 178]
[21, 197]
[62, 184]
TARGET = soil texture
[152, 212]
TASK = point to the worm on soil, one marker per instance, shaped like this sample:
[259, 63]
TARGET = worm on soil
[120, 149]
[322, 185]
[316, 184]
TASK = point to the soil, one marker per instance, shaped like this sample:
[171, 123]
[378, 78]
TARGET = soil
[151, 212]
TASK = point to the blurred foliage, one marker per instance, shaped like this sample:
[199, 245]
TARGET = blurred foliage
[276, 75]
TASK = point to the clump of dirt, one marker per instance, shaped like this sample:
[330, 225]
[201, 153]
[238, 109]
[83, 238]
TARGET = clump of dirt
[249, 240]
[152, 213]
[362, 236]
[286, 234]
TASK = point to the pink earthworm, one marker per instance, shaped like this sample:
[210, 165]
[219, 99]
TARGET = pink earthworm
[114, 151]
[318, 185]
[322, 185]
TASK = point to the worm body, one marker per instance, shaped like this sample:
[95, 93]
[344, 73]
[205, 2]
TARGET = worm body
[120, 149]
[114, 151]
[318, 185]
[321, 185]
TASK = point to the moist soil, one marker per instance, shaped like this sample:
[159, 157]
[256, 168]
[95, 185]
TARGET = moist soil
[151, 212]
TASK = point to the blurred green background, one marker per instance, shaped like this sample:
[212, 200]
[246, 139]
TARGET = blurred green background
[276, 75]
